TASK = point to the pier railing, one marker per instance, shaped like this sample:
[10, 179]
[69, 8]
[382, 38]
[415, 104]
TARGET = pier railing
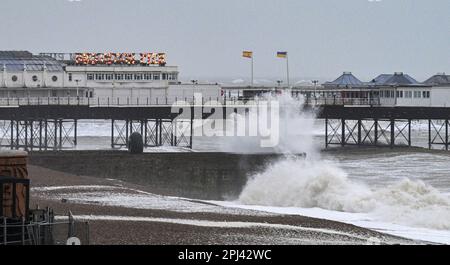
[169, 101]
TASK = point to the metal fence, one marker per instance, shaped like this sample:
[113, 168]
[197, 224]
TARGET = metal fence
[45, 232]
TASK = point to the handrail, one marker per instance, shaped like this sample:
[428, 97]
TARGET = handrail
[169, 101]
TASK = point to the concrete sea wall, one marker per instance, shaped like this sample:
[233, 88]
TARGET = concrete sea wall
[193, 175]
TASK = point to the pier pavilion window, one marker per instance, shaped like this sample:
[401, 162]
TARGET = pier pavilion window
[14, 78]
[70, 77]
[99, 77]
[119, 76]
[109, 76]
[164, 76]
[408, 94]
[156, 76]
[417, 94]
[54, 78]
[426, 94]
[172, 76]
[147, 76]
[90, 76]
[399, 93]
[34, 78]
[388, 93]
[137, 76]
[128, 76]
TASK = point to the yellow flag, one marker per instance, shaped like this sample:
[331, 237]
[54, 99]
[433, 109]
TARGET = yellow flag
[281, 54]
[247, 54]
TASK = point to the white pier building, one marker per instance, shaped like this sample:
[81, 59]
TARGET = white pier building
[124, 78]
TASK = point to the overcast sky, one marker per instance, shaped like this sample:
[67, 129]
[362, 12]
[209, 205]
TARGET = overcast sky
[205, 38]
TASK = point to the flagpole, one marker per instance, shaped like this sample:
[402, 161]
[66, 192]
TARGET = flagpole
[252, 70]
[287, 70]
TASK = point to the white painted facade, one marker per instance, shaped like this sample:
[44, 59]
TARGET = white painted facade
[123, 84]
[440, 96]
[406, 96]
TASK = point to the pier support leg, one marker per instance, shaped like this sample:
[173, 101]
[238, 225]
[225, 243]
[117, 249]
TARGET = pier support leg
[409, 132]
[392, 133]
[127, 128]
[172, 134]
[376, 132]
[75, 133]
[26, 135]
[191, 135]
[429, 134]
[326, 132]
[40, 135]
[55, 135]
[60, 134]
[31, 143]
[46, 135]
[112, 133]
[446, 135]
[157, 132]
[174, 130]
[224, 117]
[146, 131]
[12, 135]
[359, 133]
[343, 132]
[160, 132]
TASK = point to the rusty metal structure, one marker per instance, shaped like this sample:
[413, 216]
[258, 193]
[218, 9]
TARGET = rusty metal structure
[20, 225]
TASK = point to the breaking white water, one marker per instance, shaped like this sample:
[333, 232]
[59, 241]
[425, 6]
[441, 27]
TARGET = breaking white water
[398, 204]
[401, 193]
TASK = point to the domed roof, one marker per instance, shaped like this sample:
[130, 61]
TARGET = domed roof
[347, 79]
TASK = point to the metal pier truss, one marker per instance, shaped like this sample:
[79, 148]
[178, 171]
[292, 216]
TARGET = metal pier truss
[155, 132]
[38, 135]
[368, 132]
[438, 134]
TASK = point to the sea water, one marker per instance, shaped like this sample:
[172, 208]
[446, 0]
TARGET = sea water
[403, 193]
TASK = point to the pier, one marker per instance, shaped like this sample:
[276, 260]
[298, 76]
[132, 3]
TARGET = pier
[52, 124]
[383, 126]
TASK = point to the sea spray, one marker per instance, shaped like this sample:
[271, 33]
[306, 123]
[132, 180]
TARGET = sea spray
[294, 129]
[298, 182]
[314, 182]
[305, 183]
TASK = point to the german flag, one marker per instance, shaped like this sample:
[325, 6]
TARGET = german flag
[281, 54]
[247, 54]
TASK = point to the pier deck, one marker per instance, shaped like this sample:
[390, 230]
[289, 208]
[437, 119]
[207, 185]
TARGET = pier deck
[52, 126]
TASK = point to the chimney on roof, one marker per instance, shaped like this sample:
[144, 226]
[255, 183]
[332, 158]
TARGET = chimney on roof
[347, 73]
[398, 73]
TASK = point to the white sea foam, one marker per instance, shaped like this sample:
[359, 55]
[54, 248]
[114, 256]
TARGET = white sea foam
[316, 182]
[295, 129]
[301, 183]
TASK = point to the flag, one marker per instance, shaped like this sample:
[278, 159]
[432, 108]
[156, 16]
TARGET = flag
[281, 54]
[247, 54]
